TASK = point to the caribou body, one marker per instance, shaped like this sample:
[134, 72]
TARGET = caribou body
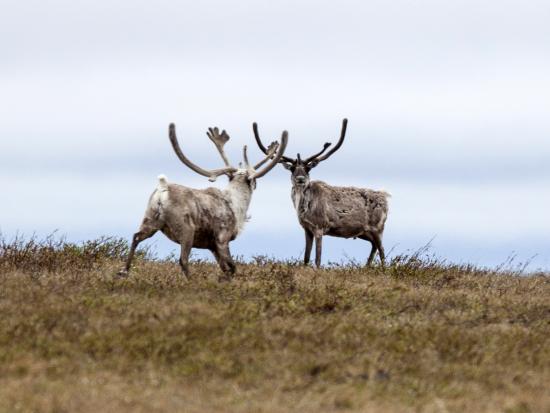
[322, 209]
[204, 218]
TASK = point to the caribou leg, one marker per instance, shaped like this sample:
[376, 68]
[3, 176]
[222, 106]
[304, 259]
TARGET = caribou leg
[372, 254]
[373, 248]
[309, 244]
[225, 261]
[186, 243]
[146, 231]
[378, 242]
[318, 249]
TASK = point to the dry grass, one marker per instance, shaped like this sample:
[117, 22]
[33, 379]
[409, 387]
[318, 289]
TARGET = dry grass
[420, 336]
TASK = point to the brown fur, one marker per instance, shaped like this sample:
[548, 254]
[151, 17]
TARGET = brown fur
[342, 211]
[345, 212]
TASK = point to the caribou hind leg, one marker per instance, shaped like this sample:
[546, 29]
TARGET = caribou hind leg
[147, 229]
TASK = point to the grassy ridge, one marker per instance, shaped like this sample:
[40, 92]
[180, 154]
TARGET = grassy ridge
[419, 336]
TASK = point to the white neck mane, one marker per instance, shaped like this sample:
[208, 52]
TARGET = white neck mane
[239, 195]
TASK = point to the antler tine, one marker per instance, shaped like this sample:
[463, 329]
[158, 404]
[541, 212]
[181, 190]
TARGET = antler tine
[211, 175]
[219, 141]
[261, 145]
[257, 137]
[340, 142]
[245, 157]
[271, 150]
[312, 157]
[274, 161]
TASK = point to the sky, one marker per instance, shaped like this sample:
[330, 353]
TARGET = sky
[448, 106]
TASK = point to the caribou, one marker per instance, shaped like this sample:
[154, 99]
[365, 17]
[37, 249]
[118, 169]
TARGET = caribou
[204, 218]
[322, 209]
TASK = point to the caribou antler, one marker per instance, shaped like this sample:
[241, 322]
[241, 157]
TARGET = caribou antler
[274, 160]
[312, 157]
[261, 145]
[219, 141]
[210, 174]
[245, 158]
[319, 158]
[271, 150]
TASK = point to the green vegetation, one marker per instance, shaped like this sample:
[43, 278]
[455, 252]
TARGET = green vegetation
[420, 336]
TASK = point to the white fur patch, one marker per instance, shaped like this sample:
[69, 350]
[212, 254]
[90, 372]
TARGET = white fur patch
[382, 221]
[239, 195]
[298, 195]
[159, 199]
[296, 199]
[163, 181]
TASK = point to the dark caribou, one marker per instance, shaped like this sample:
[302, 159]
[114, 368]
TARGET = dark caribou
[322, 209]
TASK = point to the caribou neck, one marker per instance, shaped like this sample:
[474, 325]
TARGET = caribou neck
[299, 195]
[239, 194]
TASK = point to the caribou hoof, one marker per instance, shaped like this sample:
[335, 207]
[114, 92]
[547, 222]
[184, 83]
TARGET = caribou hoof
[122, 273]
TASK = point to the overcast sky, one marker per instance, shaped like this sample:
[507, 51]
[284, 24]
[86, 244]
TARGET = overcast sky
[448, 106]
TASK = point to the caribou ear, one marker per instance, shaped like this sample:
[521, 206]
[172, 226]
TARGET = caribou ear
[287, 165]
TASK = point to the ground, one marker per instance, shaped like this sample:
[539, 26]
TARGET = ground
[418, 336]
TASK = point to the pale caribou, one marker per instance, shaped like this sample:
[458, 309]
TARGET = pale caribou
[322, 209]
[204, 218]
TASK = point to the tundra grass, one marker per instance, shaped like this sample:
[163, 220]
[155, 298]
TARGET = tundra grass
[418, 336]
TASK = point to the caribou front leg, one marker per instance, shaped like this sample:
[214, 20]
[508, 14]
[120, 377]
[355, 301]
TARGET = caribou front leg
[309, 245]
[318, 249]
[223, 255]
[380, 248]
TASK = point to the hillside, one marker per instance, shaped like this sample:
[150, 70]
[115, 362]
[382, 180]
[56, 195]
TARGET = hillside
[420, 336]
